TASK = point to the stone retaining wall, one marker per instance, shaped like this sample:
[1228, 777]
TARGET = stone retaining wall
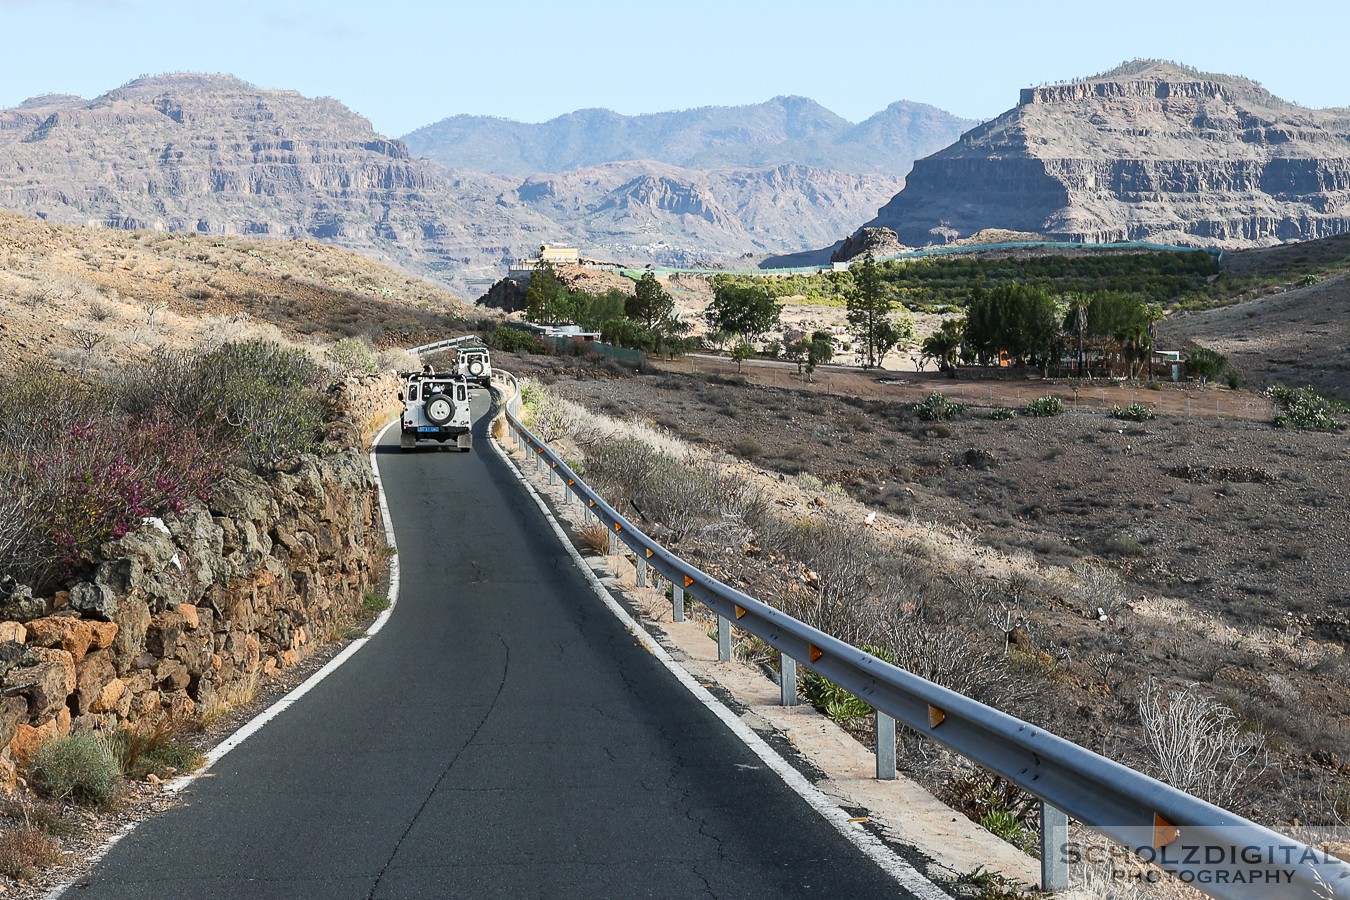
[208, 601]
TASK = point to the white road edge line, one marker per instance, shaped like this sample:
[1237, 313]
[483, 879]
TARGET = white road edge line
[904, 874]
[252, 726]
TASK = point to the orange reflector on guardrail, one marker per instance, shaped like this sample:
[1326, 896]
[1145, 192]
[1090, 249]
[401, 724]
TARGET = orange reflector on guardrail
[618, 527]
[1164, 832]
[590, 502]
[688, 581]
[814, 652]
[571, 481]
[740, 612]
[650, 552]
[935, 716]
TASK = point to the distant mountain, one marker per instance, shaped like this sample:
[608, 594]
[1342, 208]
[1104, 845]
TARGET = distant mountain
[678, 216]
[784, 130]
[1148, 151]
[214, 155]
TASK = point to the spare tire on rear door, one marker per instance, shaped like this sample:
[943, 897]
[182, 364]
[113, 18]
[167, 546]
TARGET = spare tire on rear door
[439, 408]
[476, 367]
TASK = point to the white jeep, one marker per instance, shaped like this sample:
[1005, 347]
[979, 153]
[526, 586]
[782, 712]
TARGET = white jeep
[474, 365]
[435, 408]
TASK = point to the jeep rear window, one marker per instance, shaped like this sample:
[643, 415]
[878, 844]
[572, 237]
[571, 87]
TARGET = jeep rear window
[412, 393]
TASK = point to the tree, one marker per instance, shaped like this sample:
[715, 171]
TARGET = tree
[543, 294]
[1017, 319]
[594, 311]
[747, 310]
[741, 352]
[944, 345]
[870, 304]
[819, 350]
[651, 305]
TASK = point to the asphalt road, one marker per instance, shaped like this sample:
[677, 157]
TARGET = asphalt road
[501, 736]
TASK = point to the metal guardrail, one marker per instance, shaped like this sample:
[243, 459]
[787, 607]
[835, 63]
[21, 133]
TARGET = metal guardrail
[441, 345]
[1214, 850]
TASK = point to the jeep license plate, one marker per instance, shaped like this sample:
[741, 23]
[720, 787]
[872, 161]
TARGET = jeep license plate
[428, 428]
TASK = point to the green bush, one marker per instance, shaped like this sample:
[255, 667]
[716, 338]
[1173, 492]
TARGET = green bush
[351, 356]
[1004, 824]
[1304, 408]
[935, 408]
[1135, 412]
[264, 397]
[373, 602]
[1002, 413]
[517, 340]
[1044, 407]
[82, 767]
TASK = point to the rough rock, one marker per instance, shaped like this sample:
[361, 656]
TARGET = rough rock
[1149, 152]
[18, 603]
[75, 636]
[877, 241]
[13, 713]
[29, 738]
[92, 676]
[45, 683]
[94, 600]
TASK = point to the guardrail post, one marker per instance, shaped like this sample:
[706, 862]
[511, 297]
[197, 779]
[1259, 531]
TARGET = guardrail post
[723, 638]
[885, 747]
[1054, 838]
[787, 682]
[676, 603]
[613, 547]
[641, 571]
[552, 475]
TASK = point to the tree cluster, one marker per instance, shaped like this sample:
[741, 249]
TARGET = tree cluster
[646, 320]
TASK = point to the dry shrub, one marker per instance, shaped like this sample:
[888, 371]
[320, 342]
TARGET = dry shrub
[154, 750]
[82, 767]
[594, 538]
[26, 850]
[1197, 746]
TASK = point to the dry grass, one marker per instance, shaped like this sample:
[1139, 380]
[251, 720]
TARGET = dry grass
[236, 693]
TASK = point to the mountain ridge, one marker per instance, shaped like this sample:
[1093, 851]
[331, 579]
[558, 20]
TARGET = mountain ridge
[784, 129]
[1158, 152]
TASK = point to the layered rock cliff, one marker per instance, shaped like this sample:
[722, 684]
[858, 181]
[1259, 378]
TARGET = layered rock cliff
[1151, 151]
[213, 155]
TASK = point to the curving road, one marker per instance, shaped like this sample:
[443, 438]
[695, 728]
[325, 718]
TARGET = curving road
[501, 736]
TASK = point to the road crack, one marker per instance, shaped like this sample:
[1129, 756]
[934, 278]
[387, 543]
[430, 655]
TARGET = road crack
[506, 668]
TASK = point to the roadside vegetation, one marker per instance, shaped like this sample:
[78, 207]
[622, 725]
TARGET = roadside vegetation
[82, 462]
[1067, 646]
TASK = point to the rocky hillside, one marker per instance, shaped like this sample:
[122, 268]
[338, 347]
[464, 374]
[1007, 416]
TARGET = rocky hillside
[1149, 151]
[784, 130]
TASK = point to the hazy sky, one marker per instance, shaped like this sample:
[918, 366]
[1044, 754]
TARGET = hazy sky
[407, 64]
